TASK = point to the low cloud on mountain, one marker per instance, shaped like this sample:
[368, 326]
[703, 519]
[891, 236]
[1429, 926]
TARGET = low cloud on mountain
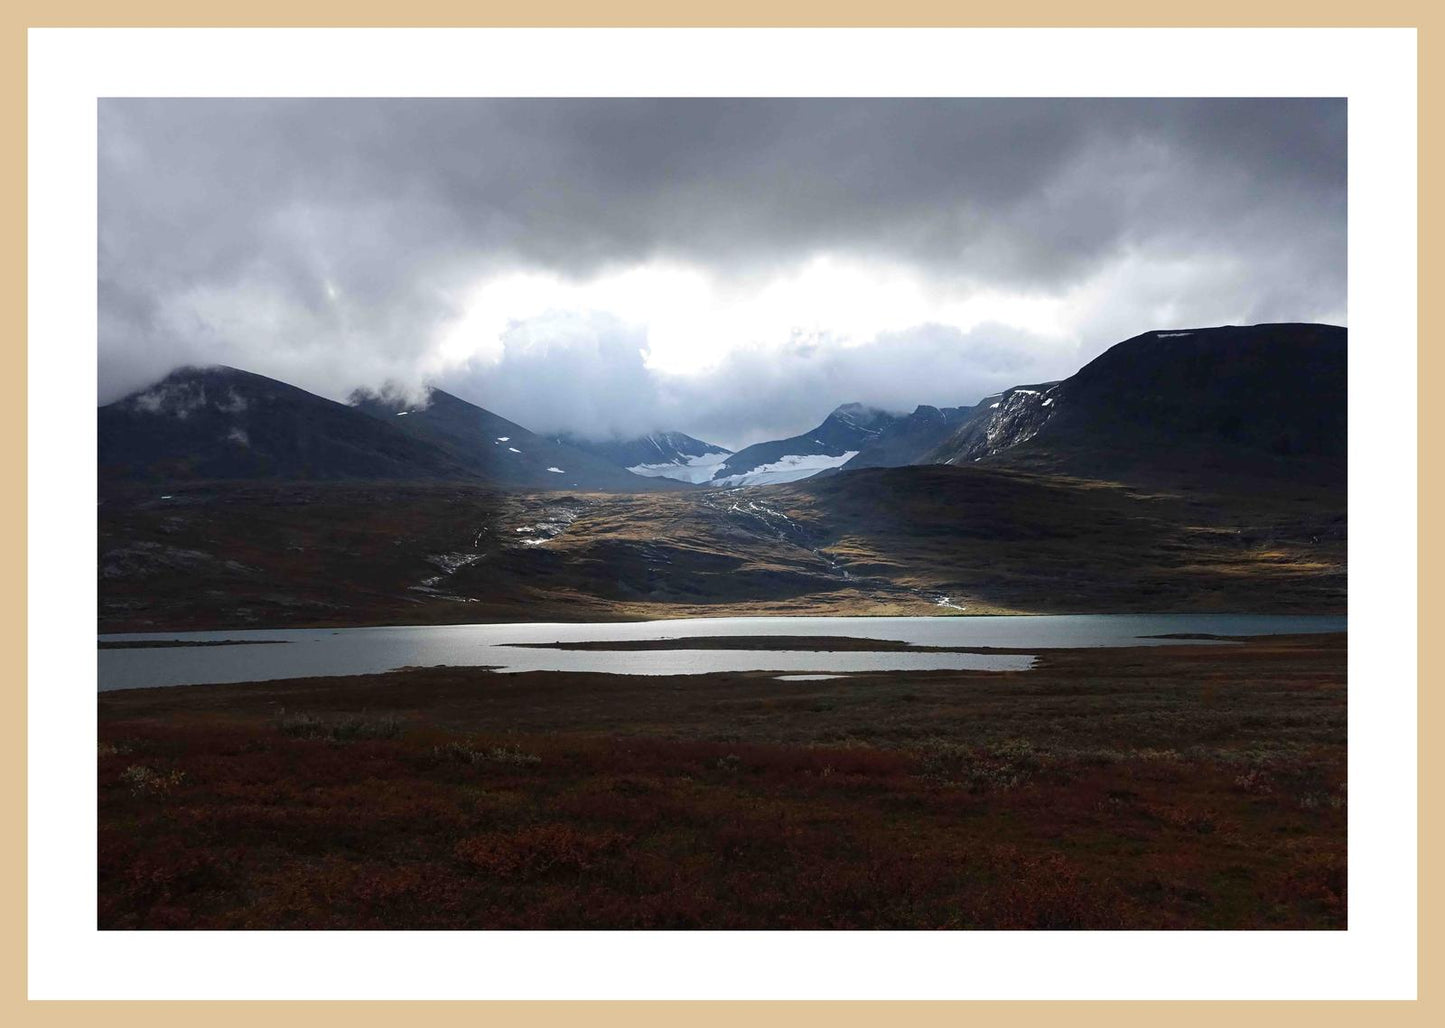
[730, 268]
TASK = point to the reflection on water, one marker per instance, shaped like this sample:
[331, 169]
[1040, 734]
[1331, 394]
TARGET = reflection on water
[356, 651]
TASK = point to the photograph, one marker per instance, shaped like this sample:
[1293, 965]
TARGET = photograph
[721, 513]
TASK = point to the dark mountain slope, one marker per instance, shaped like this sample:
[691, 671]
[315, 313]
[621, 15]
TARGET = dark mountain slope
[1259, 401]
[998, 422]
[222, 423]
[500, 451]
[908, 440]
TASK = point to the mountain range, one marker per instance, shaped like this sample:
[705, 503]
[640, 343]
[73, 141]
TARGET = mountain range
[1184, 470]
[1231, 399]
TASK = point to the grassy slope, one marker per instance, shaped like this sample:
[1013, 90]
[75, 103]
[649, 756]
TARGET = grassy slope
[1056, 544]
[1186, 787]
[992, 540]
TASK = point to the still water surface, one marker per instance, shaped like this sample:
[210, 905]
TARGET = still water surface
[359, 651]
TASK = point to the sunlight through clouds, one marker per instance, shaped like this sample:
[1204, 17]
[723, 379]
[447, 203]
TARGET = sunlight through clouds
[716, 262]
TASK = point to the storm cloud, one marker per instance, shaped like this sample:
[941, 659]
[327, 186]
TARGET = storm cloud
[536, 256]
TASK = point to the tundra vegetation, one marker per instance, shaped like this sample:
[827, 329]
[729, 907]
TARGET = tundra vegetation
[881, 541]
[1189, 786]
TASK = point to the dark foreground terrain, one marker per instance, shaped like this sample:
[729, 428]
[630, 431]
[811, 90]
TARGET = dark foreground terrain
[1175, 787]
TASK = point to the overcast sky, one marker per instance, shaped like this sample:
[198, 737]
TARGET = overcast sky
[730, 268]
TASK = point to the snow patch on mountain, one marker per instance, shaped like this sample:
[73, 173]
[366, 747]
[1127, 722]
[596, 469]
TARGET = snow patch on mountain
[789, 468]
[695, 469]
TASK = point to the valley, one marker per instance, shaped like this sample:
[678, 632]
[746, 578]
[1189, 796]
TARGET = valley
[723, 513]
[899, 541]
[1198, 470]
[934, 768]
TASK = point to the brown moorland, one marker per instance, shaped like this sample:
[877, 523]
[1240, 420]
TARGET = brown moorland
[885, 541]
[1165, 787]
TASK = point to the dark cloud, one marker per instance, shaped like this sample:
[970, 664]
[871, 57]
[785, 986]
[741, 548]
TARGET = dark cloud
[328, 241]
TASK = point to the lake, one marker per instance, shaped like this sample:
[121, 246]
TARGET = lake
[314, 652]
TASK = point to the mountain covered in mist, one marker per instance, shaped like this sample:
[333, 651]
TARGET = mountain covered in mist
[223, 423]
[499, 451]
[1260, 400]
